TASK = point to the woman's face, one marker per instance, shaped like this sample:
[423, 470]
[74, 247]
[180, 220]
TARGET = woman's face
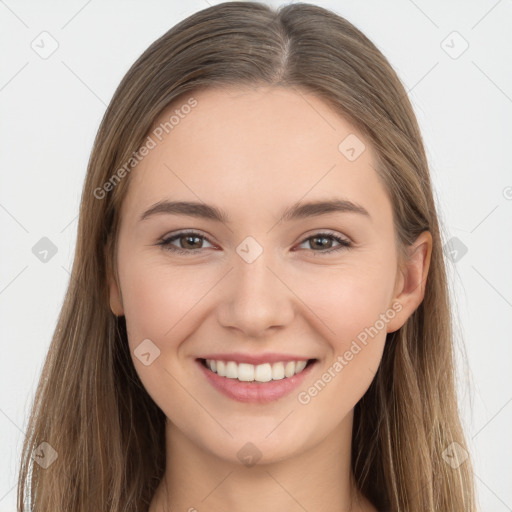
[251, 287]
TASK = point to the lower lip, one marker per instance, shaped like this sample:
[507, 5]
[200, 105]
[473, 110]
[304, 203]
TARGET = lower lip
[255, 392]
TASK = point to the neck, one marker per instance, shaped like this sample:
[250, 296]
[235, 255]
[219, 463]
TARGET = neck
[317, 479]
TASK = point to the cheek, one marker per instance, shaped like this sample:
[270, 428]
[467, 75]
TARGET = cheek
[342, 307]
[349, 300]
[355, 339]
[161, 304]
[157, 299]
[351, 310]
[341, 304]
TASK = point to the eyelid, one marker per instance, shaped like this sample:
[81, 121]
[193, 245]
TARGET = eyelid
[330, 232]
[317, 232]
[177, 234]
[343, 241]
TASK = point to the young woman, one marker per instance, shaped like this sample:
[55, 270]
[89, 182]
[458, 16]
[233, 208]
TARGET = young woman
[258, 315]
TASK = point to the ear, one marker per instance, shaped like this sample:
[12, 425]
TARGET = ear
[116, 301]
[411, 280]
[115, 297]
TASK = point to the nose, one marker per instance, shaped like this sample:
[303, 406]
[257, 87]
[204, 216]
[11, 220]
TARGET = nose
[256, 297]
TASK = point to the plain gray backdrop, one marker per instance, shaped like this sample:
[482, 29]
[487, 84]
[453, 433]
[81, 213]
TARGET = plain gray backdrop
[62, 61]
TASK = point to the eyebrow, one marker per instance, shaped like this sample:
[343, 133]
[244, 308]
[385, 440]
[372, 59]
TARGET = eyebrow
[295, 212]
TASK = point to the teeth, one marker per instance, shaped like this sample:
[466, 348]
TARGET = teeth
[300, 365]
[245, 372]
[277, 371]
[232, 370]
[289, 369]
[260, 373]
[221, 368]
[263, 372]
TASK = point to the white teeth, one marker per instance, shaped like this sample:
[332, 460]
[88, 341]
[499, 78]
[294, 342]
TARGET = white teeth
[289, 369]
[263, 373]
[277, 371]
[245, 372]
[260, 373]
[300, 365]
[231, 370]
[221, 368]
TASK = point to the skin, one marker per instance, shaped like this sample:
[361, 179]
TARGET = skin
[253, 152]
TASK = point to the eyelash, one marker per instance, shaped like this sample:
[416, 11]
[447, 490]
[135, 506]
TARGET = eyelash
[166, 243]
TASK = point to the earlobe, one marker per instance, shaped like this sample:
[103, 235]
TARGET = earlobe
[116, 301]
[116, 304]
[411, 280]
[115, 297]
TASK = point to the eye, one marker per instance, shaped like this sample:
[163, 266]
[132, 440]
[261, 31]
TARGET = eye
[324, 240]
[188, 240]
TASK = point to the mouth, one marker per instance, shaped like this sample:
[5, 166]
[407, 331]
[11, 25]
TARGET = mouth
[265, 372]
[260, 383]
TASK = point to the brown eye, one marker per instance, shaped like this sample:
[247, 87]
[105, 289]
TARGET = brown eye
[323, 243]
[189, 243]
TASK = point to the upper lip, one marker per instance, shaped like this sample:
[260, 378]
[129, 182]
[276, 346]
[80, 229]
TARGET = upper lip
[256, 359]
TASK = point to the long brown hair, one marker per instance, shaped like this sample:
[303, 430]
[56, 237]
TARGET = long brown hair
[90, 407]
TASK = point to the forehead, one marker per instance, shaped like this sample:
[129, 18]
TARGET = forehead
[254, 149]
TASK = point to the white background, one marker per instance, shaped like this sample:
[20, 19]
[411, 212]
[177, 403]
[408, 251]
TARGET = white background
[51, 109]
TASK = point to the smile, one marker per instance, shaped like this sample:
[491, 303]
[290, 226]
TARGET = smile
[262, 383]
[256, 373]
